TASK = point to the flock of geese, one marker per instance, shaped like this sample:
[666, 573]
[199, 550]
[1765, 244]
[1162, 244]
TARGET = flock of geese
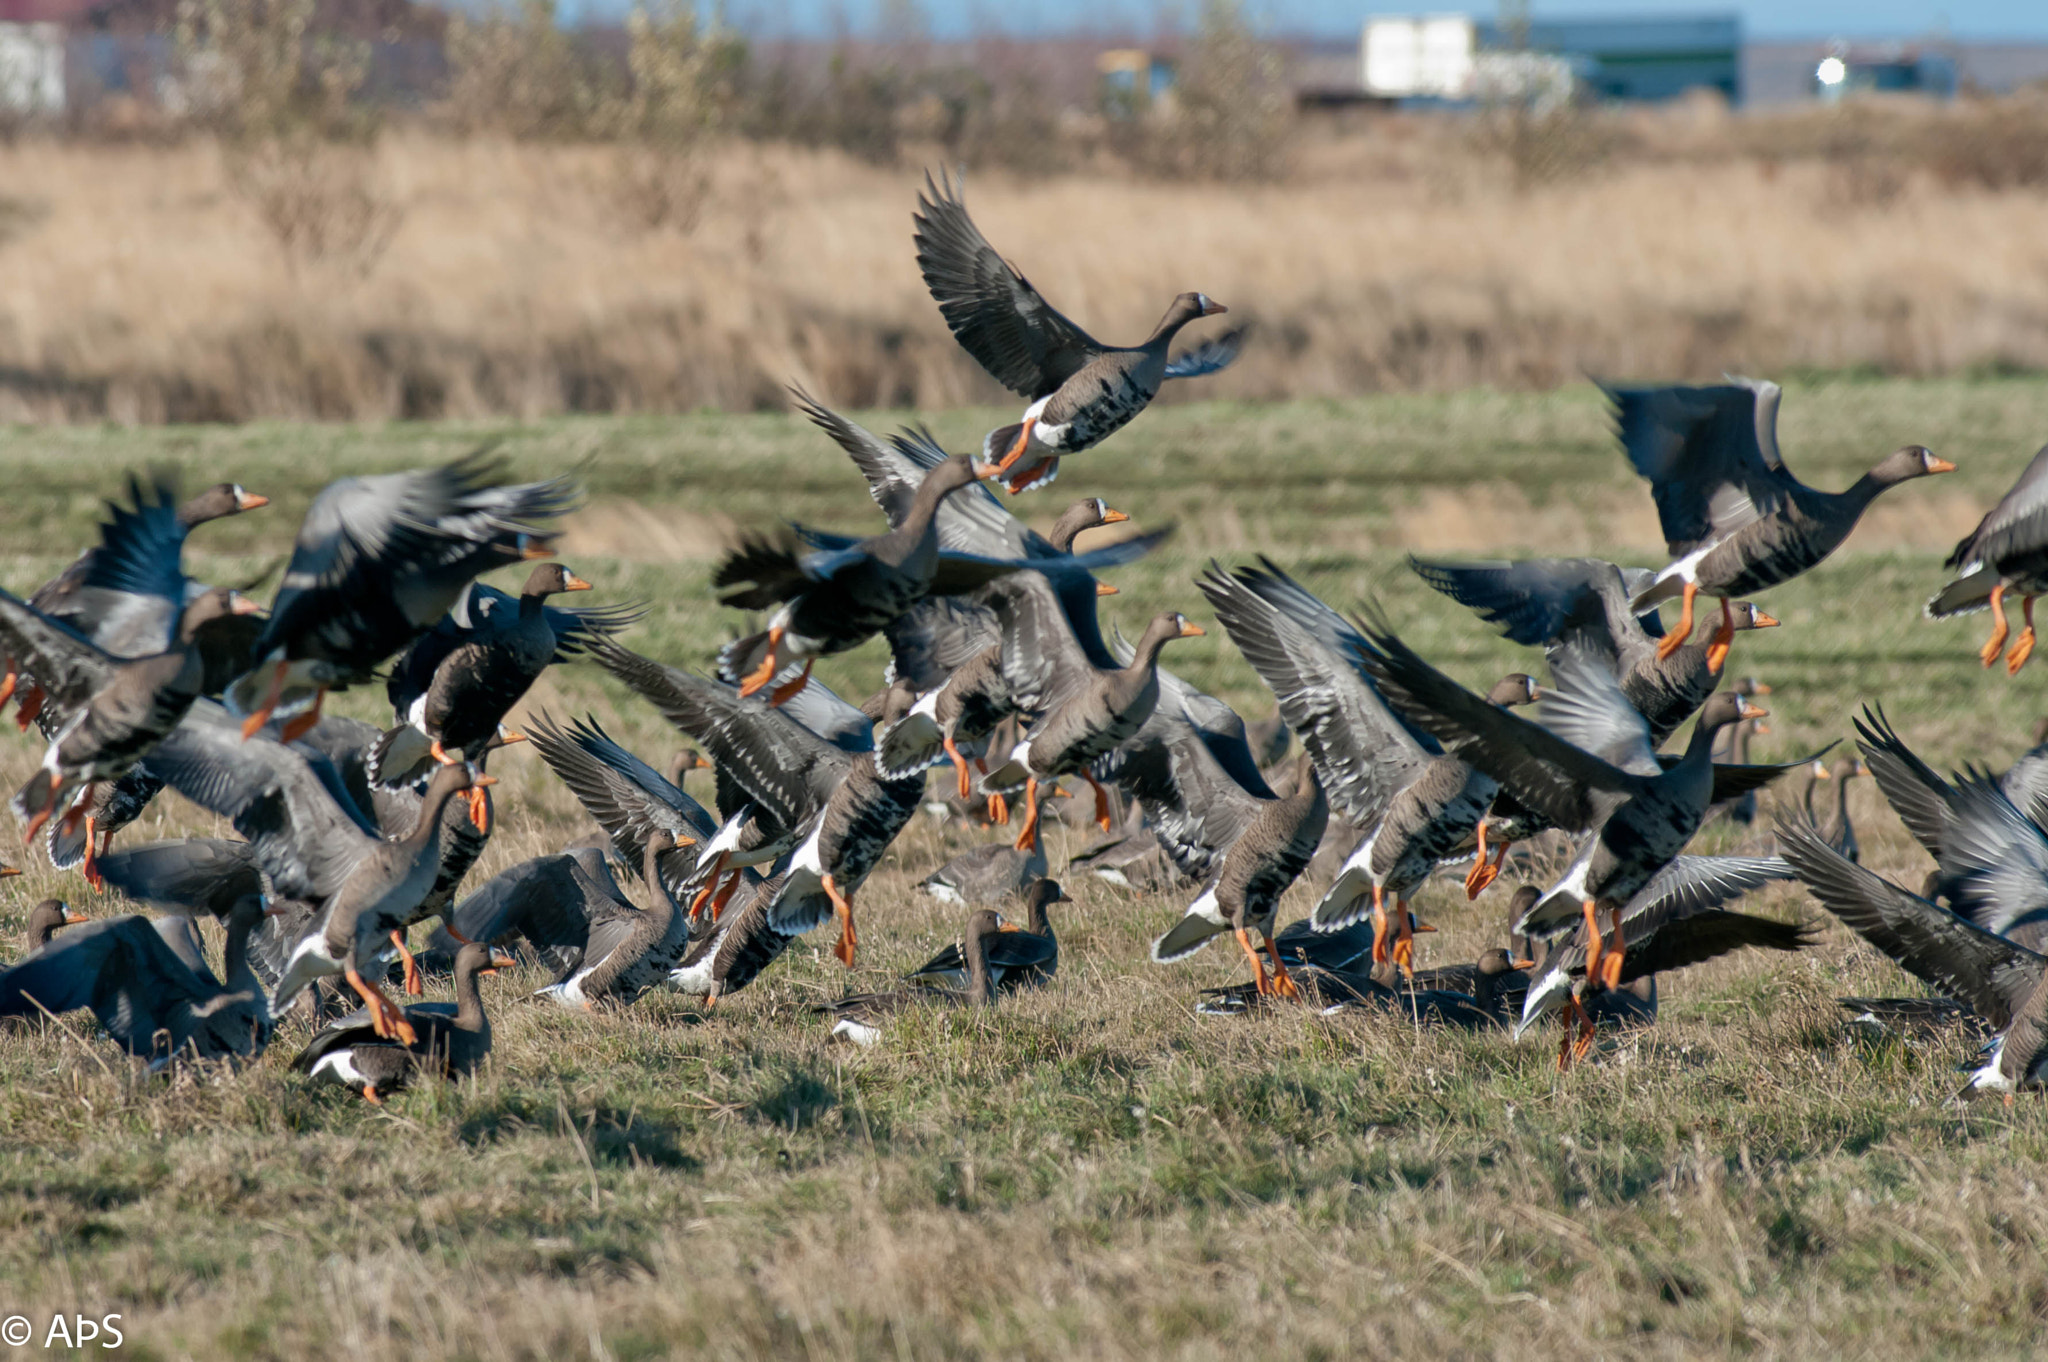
[348, 835]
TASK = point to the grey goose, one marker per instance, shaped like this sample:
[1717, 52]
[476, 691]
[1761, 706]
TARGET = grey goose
[2006, 554]
[1081, 391]
[449, 1040]
[1735, 520]
[377, 562]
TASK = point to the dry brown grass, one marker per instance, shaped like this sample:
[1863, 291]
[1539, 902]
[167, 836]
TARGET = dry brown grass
[528, 279]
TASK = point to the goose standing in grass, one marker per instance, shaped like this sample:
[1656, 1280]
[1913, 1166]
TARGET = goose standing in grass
[1587, 767]
[377, 562]
[316, 845]
[1541, 602]
[1735, 520]
[45, 920]
[1836, 828]
[450, 1040]
[2001, 980]
[144, 990]
[1418, 805]
[2006, 554]
[1081, 391]
[1081, 710]
[628, 950]
[452, 689]
[862, 1017]
[843, 812]
[1018, 957]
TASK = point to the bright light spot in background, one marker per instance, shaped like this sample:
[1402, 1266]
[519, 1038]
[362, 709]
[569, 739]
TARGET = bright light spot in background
[1832, 71]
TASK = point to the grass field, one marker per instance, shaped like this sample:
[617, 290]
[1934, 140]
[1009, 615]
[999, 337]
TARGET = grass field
[1090, 1172]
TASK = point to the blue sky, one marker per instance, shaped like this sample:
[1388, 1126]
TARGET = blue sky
[1762, 18]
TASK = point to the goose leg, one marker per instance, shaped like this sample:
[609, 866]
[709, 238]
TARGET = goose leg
[1017, 482]
[385, 1018]
[479, 808]
[724, 896]
[42, 814]
[1016, 450]
[1678, 637]
[440, 754]
[1988, 654]
[710, 887]
[959, 768]
[998, 810]
[2023, 646]
[1027, 837]
[1483, 873]
[261, 715]
[31, 705]
[1610, 963]
[301, 726]
[9, 682]
[1379, 925]
[789, 690]
[1102, 818]
[1283, 984]
[370, 1095]
[1584, 1043]
[413, 987]
[842, 908]
[1724, 639]
[92, 854]
[1592, 940]
[1404, 938]
[1570, 1016]
[764, 673]
[1259, 981]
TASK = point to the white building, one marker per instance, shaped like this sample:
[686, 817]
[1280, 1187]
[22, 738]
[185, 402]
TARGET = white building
[31, 68]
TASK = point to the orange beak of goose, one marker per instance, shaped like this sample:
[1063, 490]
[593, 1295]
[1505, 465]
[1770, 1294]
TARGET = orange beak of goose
[1213, 309]
[499, 960]
[1940, 466]
[574, 583]
[1762, 621]
[984, 471]
[239, 604]
[1192, 630]
[249, 501]
[6, 870]
[1113, 517]
[1104, 589]
[1521, 964]
[537, 547]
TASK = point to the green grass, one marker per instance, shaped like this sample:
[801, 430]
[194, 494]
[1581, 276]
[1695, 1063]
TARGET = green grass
[1092, 1171]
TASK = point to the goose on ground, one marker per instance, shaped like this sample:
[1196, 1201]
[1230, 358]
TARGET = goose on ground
[991, 873]
[862, 1017]
[450, 1040]
[144, 989]
[1018, 957]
